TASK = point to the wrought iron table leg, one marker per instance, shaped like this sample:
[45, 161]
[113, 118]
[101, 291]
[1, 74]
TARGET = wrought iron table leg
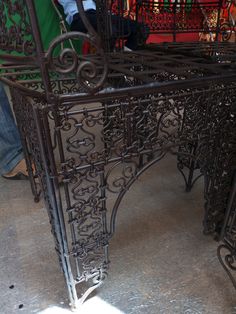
[99, 153]
[36, 191]
[23, 121]
[228, 236]
[228, 262]
[189, 167]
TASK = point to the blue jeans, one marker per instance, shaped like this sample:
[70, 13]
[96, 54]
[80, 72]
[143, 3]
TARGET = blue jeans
[10, 144]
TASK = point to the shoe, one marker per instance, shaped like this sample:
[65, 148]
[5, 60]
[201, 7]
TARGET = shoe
[18, 173]
[127, 49]
[17, 176]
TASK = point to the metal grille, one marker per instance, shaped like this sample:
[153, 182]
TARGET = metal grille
[92, 124]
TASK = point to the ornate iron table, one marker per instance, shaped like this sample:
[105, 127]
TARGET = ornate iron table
[92, 124]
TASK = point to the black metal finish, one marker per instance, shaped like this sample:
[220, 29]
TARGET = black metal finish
[227, 251]
[92, 124]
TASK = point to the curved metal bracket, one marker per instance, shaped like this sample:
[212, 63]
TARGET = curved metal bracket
[228, 261]
[91, 30]
[69, 61]
[97, 282]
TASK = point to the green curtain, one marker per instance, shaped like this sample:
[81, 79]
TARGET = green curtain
[49, 23]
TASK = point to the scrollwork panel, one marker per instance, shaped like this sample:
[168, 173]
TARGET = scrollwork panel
[100, 146]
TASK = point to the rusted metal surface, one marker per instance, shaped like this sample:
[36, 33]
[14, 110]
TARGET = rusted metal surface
[92, 124]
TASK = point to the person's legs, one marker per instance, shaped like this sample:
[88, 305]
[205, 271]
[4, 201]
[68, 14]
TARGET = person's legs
[10, 145]
[125, 29]
[78, 25]
[135, 32]
[122, 28]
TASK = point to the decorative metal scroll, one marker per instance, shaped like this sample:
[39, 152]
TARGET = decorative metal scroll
[213, 20]
[168, 16]
[227, 250]
[106, 147]
[227, 256]
[106, 141]
[29, 140]
[90, 74]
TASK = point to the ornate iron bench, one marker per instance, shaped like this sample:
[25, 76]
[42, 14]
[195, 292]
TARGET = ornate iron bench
[92, 124]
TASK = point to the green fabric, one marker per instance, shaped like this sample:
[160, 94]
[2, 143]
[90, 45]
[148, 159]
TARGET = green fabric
[48, 21]
[49, 24]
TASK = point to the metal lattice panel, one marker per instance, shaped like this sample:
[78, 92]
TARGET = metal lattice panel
[103, 148]
[92, 124]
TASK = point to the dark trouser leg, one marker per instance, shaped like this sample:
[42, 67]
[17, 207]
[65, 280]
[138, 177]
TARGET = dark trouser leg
[78, 25]
[122, 28]
[125, 29]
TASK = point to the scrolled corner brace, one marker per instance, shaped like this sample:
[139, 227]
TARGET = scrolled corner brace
[228, 260]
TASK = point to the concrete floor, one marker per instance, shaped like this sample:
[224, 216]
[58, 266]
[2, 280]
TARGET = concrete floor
[161, 263]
